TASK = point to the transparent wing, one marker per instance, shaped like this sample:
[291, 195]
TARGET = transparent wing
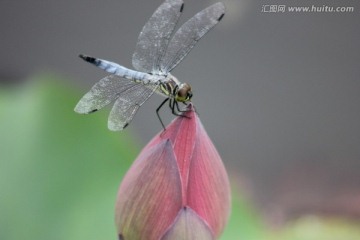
[130, 96]
[127, 104]
[102, 93]
[189, 34]
[155, 35]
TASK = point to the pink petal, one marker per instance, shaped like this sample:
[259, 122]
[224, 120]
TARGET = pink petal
[208, 191]
[188, 225]
[182, 134]
[149, 197]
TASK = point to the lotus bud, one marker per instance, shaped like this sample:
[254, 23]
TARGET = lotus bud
[177, 188]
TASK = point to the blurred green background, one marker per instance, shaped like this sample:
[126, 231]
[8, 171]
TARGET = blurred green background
[59, 174]
[59, 171]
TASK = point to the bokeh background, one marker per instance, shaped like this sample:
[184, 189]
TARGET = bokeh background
[277, 92]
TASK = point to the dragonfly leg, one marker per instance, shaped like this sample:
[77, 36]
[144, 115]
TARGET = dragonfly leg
[157, 112]
[172, 105]
[178, 108]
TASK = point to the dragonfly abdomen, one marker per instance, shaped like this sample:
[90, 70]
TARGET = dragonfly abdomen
[119, 70]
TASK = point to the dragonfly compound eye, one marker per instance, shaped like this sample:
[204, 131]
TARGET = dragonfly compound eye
[184, 93]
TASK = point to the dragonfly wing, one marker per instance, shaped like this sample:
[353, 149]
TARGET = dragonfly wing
[155, 35]
[190, 33]
[102, 93]
[127, 104]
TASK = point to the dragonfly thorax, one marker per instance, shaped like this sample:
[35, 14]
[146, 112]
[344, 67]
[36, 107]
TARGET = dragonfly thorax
[173, 88]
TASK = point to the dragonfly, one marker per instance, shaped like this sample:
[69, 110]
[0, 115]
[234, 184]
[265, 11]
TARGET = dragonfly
[158, 51]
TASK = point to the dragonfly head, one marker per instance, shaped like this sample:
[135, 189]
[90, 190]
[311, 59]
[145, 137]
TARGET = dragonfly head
[183, 93]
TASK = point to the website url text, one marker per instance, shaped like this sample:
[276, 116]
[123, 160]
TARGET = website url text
[305, 9]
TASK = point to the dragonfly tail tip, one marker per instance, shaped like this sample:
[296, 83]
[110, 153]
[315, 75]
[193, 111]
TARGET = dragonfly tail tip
[88, 59]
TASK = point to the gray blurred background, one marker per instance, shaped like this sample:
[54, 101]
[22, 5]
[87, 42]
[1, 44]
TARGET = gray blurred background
[277, 92]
